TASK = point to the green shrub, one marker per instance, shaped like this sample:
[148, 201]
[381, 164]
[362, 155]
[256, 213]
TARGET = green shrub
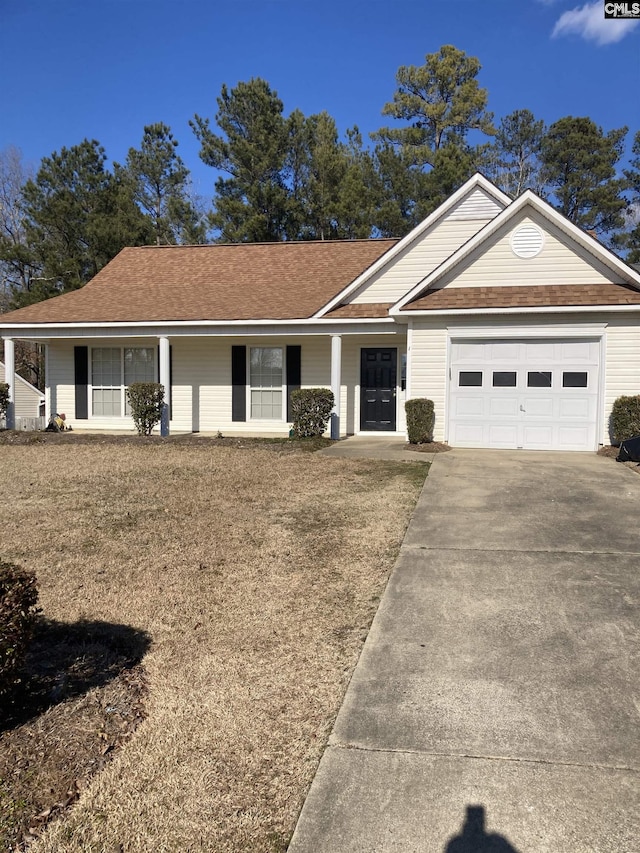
[4, 399]
[625, 419]
[310, 411]
[18, 613]
[146, 400]
[420, 420]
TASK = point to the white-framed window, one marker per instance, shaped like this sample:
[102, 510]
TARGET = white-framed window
[112, 370]
[266, 383]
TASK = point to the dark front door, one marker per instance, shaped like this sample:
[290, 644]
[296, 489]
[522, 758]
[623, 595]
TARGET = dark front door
[378, 389]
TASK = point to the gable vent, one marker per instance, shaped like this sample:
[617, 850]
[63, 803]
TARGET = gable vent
[527, 241]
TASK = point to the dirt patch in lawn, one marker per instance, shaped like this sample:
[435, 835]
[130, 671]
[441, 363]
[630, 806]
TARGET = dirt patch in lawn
[206, 607]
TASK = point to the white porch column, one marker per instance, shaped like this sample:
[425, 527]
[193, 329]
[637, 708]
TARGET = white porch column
[165, 381]
[10, 379]
[336, 381]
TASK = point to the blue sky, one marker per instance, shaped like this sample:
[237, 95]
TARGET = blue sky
[104, 68]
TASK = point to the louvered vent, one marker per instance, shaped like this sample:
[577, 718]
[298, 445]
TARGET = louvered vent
[526, 241]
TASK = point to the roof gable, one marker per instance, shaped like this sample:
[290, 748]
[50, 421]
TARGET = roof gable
[568, 256]
[426, 246]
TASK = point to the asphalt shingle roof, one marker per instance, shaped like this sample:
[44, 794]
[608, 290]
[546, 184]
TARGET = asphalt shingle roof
[536, 296]
[246, 281]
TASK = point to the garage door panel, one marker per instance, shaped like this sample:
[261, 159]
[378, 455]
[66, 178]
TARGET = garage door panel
[469, 435]
[534, 353]
[503, 406]
[505, 351]
[575, 408]
[577, 351]
[538, 436]
[540, 407]
[471, 352]
[537, 394]
[469, 407]
[573, 438]
[503, 435]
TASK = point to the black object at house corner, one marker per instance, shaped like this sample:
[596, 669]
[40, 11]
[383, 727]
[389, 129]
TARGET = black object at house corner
[629, 450]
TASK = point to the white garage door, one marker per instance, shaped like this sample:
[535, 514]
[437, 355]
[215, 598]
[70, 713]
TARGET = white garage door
[529, 394]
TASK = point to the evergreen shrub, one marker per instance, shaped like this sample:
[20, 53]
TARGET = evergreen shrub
[4, 399]
[625, 419]
[146, 400]
[18, 613]
[310, 411]
[420, 420]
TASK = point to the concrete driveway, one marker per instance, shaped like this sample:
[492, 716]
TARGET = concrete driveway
[496, 704]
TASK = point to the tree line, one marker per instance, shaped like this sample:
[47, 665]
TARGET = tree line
[293, 177]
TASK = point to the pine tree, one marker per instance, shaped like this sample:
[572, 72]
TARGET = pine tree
[442, 102]
[252, 204]
[579, 173]
[161, 187]
[77, 217]
[630, 238]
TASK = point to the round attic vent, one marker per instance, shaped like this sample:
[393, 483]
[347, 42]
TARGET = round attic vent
[526, 241]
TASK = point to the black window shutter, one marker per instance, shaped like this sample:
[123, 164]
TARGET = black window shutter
[81, 366]
[238, 383]
[294, 373]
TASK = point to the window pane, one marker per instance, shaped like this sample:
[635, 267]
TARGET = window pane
[106, 379]
[266, 367]
[470, 378]
[574, 380]
[504, 379]
[106, 402]
[539, 379]
[266, 378]
[105, 366]
[139, 365]
[266, 405]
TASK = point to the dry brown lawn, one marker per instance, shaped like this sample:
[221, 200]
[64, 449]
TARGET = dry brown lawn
[255, 573]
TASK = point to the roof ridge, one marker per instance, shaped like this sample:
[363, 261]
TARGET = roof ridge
[345, 241]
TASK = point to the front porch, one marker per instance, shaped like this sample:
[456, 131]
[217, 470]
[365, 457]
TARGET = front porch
[233, 384]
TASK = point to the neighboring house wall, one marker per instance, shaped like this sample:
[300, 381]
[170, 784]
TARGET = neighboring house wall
[26, 397]
[560, 261]
[427, 252]
[201, 380]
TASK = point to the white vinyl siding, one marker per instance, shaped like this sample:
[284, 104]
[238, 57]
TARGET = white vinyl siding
[201, 382]
[26, 397]
[429, 369]
[476, 205]
[430, 249]
[622, 364]
[559, 262]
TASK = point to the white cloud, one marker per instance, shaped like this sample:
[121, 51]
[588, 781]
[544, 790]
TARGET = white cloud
[590, 23]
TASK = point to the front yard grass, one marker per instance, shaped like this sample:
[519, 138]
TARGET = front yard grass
[245, 579]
